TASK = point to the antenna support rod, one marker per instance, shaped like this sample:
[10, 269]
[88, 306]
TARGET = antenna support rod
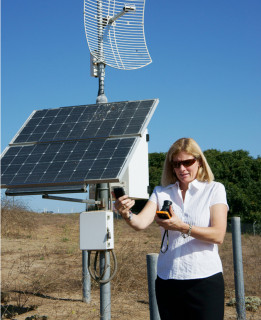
[125, 9]
[101, 98]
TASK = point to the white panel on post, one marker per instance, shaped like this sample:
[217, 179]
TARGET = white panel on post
[136, 177]
[96, 230]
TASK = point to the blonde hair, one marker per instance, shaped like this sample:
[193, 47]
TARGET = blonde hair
[190, 146]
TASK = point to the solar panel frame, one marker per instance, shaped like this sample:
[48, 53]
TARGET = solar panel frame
[47, 190]
[39, 155]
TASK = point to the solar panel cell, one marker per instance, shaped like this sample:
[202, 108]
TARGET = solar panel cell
[78, 175]
[19, 178]
[132, 129]
[19, 159]
[33, 122]
[46, 178]
[110, 174]
[115, 163]
[40, 168]
[11, 169]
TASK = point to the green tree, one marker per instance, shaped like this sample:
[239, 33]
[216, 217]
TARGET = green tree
[241, 175]
[156, 161]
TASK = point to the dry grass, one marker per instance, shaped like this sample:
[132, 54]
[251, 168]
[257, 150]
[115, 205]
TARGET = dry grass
[17, 221]
[42, 268]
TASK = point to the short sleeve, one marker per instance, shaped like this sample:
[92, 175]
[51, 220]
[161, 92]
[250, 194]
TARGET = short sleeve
[219, 195]
[154, 195]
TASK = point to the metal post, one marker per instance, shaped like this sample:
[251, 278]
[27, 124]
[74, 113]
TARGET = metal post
[152, 259]
[238, 269]
[254, 228]
[102, 190]
[105, 288]
[101, 98]
[86, 279]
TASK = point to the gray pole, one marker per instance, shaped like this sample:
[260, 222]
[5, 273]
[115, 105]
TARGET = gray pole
[152, 259]
[102, 189]
[238, 269]
[86, 279]
[105, 288]
[101, 98]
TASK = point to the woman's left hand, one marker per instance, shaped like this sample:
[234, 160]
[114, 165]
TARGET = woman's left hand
[174, 223]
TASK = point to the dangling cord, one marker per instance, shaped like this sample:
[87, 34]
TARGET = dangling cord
[95, 275]
[162, 242]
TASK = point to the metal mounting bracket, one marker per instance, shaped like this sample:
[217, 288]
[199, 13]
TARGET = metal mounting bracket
[47, 196]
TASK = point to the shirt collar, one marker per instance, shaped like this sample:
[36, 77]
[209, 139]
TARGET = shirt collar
[195, 184]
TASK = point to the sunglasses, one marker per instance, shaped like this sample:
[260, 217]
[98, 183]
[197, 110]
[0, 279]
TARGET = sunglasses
[185, 163]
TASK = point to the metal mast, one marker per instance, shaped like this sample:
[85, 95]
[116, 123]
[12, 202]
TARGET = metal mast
[101, 98]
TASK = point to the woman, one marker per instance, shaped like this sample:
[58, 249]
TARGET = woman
[190, 283]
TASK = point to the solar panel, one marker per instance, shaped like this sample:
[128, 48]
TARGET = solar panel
[75, 145]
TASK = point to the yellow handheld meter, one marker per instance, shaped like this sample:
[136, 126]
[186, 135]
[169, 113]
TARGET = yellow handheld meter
[164, 213]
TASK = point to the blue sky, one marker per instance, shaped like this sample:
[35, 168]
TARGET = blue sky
[206, 71]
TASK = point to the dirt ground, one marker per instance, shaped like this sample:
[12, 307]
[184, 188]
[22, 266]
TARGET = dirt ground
[42, 270]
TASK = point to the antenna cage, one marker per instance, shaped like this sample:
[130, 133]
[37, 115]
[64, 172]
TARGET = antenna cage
[115, 33]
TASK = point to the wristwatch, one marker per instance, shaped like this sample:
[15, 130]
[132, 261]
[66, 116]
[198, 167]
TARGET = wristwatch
[130, 215]
[189, 232]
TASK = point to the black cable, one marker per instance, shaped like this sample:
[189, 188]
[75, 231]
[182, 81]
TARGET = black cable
[99, 277]
[165, 233]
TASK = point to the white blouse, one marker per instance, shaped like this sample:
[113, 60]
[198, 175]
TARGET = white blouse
[189, 258]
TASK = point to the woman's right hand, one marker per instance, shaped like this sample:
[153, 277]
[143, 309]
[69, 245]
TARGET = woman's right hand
[123, 206]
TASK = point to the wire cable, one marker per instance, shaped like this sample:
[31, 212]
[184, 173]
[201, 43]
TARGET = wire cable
[98, 277]
[162, 242]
